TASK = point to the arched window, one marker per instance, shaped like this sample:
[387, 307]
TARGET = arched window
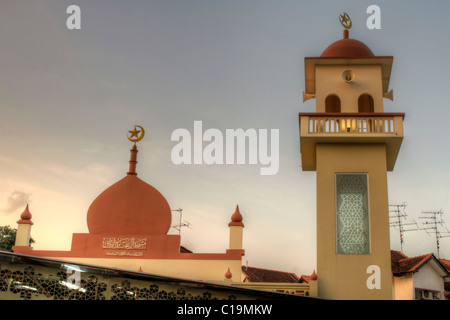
[365, 103]
[332, 104]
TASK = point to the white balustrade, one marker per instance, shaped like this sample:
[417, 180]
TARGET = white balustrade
[351, 124]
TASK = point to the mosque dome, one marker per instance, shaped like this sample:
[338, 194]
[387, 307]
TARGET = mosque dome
[347, 48]
[130, 206]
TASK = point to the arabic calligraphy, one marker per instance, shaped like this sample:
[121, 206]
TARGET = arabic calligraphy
[123, 253]
[124, 243]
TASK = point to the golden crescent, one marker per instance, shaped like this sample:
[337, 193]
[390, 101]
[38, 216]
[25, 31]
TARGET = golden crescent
[140, 137]
[341, 20]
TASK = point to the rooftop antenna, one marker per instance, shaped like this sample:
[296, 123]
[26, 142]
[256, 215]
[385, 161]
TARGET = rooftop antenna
[398, 216]
[434, 219]
[181, 224]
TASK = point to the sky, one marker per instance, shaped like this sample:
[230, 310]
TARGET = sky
[69, 97]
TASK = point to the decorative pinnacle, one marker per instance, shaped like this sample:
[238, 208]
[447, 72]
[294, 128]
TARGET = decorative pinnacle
[25, 217]
[236, 218]
[228, 274]
[345, 21]
[133, 160]
[139, 134]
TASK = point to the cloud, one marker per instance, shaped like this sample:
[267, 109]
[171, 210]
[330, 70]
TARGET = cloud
[17, 200]
[92, 172]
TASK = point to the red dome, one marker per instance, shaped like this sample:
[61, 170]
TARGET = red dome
[130, 206]
[25, 217]
[347, 48]
[236, 218]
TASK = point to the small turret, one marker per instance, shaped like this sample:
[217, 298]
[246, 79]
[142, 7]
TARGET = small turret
[236, 229]
[24, 228]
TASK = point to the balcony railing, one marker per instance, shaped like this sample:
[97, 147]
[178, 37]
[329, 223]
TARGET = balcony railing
[352, 123]
[350, 128]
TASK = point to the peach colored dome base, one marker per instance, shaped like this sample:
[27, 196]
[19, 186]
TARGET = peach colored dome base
[130, 206]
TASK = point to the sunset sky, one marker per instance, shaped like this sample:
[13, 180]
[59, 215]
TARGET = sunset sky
[69, 97]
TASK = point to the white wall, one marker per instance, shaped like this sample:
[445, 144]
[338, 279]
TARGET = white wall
[428, 278]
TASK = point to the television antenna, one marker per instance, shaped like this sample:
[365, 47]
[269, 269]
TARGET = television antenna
[399, 214]
[181, 224]
[434, 220]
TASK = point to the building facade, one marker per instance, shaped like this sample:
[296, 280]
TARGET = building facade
[351, 143]
[128, 229]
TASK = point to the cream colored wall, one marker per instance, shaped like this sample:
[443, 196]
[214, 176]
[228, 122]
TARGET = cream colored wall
[427, 278]
[286, 287]
[207, 270]
[23, 234]
[403, 288]
[344, 276]
[367, 80]
[236, 237]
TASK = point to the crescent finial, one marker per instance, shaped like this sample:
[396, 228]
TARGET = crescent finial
[345, 21]
[136, 135]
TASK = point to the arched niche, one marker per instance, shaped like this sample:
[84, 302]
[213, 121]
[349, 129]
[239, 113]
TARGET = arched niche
[332, 104]
[365, 103]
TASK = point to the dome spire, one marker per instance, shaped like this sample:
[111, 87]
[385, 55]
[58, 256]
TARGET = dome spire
[346, 22]
[138, 134]
[133, 160]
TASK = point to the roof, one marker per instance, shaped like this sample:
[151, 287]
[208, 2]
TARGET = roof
[265, 275]
[347, 48]
[445, 263]
[402, 264]
[305, 278]
[130, 206]
[347, 52]
[184, 250]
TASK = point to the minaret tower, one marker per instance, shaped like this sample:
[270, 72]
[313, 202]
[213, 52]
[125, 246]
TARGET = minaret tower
[236, 230]
[351, 143]
[24, 229]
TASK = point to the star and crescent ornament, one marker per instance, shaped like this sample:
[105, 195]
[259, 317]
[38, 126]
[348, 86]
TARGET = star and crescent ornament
[135, 134]
[345, 21]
